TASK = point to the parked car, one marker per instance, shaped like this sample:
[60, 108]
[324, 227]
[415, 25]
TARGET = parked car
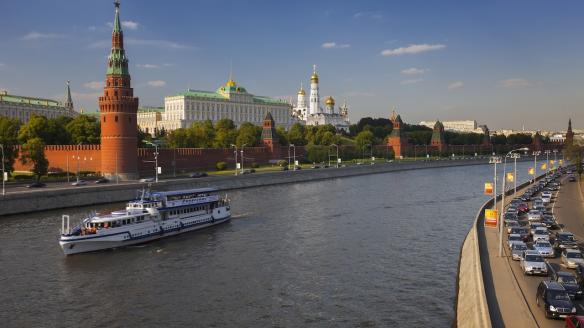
[102, 180]
[514, 238]
[198, 175]
[565, 240]
[147, 180]
[248, 171]
[517, 250]
[544, 248]
[554, 299]
[569, 282]
[571, 258]
[36, 185]
[79, 183]
[575, 321]
[533, 263]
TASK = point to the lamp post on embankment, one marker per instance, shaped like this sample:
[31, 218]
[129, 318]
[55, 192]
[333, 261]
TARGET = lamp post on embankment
[535, 154]
[509, 154]
[495, 160]
[3, 172]
[235, 152]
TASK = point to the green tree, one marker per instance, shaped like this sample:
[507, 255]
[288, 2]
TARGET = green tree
[248, 135]
[142, 136]
[225, 133]
[282, 135]
[519, 139]
[316, 154]
[9, 128]
[296, 135]
[36, 127]
[33, 152]
[364, 138]
[328, 138]
[201, 134]
[178, 138]
[85, 129]
[57, 132]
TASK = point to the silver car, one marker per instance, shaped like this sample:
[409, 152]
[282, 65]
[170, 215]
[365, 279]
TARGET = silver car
[533, 263]
[544, 248]
[514, 238]
[512, 224]
[572, 257]
[541, 234]
[534, 215]
[517, 250]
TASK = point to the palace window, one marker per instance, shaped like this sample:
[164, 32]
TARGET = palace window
[116, 118]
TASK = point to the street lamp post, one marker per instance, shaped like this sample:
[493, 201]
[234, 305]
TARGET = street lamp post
[293, 154]
[547, 162]
[242, 146]
[337, 159]
[535, 154]
[495, 160]
[155, 157]
[78, 159]
[235, 153]
[555, 151]
[515, 156]
[503, 198]
[3, 171]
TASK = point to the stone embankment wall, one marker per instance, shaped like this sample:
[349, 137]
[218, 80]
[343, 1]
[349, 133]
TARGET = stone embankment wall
[40, 200]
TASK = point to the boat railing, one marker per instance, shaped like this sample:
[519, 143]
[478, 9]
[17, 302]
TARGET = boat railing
[65, 225]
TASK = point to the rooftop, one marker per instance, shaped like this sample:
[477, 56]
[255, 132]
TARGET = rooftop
[223, 92]
[4, 96]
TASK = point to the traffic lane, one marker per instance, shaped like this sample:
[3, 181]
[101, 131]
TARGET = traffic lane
[569, 209]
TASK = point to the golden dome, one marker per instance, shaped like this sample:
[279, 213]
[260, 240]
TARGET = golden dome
[330, 101]
[301, 92]
[230, 83]
[314, 77]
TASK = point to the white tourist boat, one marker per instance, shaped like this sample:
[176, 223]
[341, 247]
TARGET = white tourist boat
[152, 216]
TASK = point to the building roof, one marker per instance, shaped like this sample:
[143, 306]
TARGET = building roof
[223, 92]
[150, 109]
[4, 96]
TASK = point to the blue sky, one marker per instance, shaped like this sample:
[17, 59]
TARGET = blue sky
[504, 63]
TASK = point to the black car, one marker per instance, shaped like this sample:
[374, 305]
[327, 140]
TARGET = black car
[572, 179]
[198, 175]
[523, 232]
[569, 281]
[36, 185]
[565, 240]
[579, 272]
[248, 171]
[102, 180]
[555, 300]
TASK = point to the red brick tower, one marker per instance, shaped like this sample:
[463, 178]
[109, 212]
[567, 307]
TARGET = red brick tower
[269, 134]
[569, 135]
[397, 140]
[118, 108]
[438, 140]
[537, 143]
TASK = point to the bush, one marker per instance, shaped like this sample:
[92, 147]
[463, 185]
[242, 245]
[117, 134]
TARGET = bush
[20, 177]
[255, 165]
[221, 166]
[282, 163]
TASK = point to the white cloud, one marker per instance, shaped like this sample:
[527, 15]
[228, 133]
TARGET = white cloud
[157, 83]
[150, 66]
[412, 49]
[368, 15]
[32, 36]
[413, 81]
[455, 85]
[142, 42]
[95, 85]
[131, 25]
[334, 45]
[515, 83]
[414, 71]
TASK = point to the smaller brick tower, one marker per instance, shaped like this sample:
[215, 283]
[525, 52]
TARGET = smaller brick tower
[569, 135]
[486, 136]
[537, 141]
[438, 140]
[269, 134]
[118, 112]
[397, 140]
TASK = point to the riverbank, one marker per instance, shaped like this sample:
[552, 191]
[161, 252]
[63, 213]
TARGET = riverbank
[50, 199]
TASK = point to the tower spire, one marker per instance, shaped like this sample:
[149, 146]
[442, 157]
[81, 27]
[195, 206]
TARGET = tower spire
[69, 101]
[117, 26]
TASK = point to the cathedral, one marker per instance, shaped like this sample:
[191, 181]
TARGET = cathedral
[314, 114]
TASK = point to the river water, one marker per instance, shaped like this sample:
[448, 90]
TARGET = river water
[369, 251]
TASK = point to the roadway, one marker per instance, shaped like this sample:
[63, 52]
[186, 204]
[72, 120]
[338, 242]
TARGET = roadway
[567, 206]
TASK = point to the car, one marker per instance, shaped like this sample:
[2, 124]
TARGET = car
[550, 222]
[571, 258]
[521, 231]
[535, 225]
[512, 209]
[523, 208]
[36, 185]
[575, 321]
[511, 217]
[517, 250]
[534, 215]
[525, 197]
[544, 248]
[102, 180]
[546, 193]
[541, 233]
[533, 263]
[147, 180]
[554, 299]
[284, 168]
[512, 224]
[79, 183]
[546, 200]
[572, 179]
[569, 282]
[565, 240]
[318, 166]
[248, 171]
[514, 238]
[196, 175]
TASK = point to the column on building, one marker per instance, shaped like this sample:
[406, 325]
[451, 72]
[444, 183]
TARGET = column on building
[314, 97]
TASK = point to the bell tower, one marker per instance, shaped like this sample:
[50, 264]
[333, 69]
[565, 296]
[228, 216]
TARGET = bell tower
[118, 108]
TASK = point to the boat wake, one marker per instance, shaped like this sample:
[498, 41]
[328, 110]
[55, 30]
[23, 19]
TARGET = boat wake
[240, 216]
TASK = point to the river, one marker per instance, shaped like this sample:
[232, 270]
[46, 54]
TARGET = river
[372, 251]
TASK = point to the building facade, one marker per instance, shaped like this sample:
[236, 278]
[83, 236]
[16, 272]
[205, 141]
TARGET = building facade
[149, 119]
[314, 114]
[22, 108]
[468, 126]
[230, 101]
[118, 108]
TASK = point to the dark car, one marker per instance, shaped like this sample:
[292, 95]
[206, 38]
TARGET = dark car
[569, 281]
[198, 175]
[248, 171]
[523, 207]
[102, 180]
[284, 168]
[579, 272]
[575, 321]
[572, 179]
[554, 299]
[36, 185]
[565, 240]
[523, 232]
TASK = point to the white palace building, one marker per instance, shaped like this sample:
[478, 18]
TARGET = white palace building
[230, 101]
[313, 114]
